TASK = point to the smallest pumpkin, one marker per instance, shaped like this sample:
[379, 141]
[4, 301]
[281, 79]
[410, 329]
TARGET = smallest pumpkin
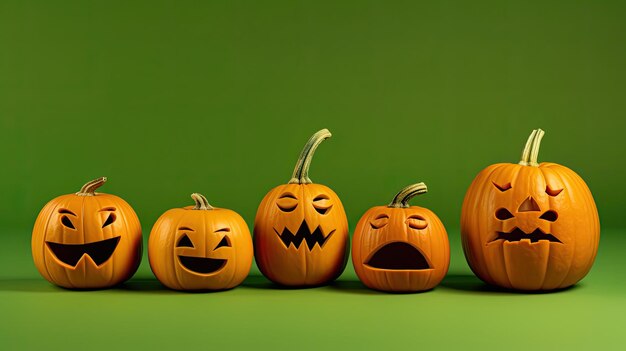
[401, 248]
[200, 247]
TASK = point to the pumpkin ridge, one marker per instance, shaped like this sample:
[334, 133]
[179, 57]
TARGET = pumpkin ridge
[569, 184]
[469, 252]
[45, 230]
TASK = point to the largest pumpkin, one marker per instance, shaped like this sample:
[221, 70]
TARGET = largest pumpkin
[301, 229]
[529, 226]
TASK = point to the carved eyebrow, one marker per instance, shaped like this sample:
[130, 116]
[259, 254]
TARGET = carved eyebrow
[185, 228]
[66, 211]
[551, 192]
[502, 188]
[107, 209]
[288, 195]
[223, 230]
[418, 217]
[381, 216]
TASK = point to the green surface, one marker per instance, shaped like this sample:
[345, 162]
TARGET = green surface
[170, 98]
[461, 313]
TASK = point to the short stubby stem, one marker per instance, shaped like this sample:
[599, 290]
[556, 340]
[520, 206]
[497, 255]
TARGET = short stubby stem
[89, 189]
[201, 202]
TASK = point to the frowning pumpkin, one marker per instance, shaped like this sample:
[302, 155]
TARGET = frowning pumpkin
[401, 248]
[530, 226]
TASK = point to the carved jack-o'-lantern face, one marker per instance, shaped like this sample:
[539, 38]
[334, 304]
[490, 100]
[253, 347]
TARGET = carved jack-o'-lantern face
[301, 229]
[530, 226]
[188, 250]
[398, 248]
[87, 240]
[200, 247]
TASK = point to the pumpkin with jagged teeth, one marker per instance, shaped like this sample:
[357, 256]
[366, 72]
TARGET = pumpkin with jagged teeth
[530, 226]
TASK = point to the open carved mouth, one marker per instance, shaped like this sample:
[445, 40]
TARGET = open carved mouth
[398, 256]
[519, 235]
[70, 254]
[304, 234]
[202, 265]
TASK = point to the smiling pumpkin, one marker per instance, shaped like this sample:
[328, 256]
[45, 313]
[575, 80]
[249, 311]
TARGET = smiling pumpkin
[200, 247]
[87, 240]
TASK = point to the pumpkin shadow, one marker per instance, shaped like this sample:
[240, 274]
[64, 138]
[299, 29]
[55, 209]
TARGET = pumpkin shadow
[471, 283]
[153, 286]
[29, 285]
[144, 285]
[353, 286]
[258, 281]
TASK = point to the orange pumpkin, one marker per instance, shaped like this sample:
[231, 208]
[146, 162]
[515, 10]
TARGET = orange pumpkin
[530, 226]
[401, 248]
[200, 247]
[87, 240]
[301, 229]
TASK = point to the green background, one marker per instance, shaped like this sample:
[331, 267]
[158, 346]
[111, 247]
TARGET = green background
[170, 98]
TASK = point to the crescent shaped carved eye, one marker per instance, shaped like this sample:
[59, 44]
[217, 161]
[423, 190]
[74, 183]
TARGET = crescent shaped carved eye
[380, 221]
[287, 202]
[417, 222]
[322, 204]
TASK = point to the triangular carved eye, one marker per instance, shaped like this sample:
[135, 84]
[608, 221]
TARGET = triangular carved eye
[503, 214]
[109, 220]
[184, 242]
[550, 216]
[223, 243]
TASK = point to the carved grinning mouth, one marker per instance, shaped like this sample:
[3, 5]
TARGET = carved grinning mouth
[398, 256]
[519, 235]
[202, 265]
[304, 234]
[70, 254]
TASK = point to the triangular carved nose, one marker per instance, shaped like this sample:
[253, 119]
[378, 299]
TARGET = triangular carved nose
[529, 205]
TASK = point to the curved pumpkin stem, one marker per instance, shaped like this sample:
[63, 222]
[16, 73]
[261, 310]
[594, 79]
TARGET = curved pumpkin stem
[89, 189]
[201, 202]
[401, 200]
[301, 172]
[531, 149]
